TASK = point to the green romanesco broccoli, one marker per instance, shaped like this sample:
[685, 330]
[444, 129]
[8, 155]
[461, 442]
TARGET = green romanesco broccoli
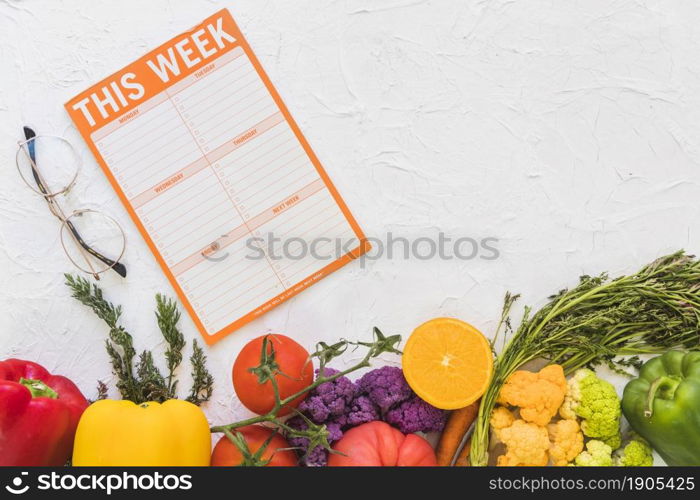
[635, 453]
[596, 402]
[596, 454]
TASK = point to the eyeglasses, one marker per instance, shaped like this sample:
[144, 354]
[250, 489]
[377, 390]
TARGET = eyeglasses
[64, 163]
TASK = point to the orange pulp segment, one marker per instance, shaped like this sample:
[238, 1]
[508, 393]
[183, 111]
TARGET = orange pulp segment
[448, 363]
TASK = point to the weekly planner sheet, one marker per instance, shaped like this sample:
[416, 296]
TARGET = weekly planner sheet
[209, 163]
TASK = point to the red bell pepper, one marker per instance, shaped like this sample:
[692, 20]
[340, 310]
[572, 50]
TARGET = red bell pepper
[39, 413]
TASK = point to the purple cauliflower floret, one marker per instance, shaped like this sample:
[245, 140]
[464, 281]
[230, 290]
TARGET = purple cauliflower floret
[385, 387]
[330, 399]
[361, 411]
[318, 457]
[335, 432]
[415, 415]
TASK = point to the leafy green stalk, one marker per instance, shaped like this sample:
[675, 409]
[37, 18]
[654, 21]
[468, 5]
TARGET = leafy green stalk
[598, 321]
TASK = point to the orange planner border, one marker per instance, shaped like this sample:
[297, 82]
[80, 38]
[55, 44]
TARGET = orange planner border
[137, 82]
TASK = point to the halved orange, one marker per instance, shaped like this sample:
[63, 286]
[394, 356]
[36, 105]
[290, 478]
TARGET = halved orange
[448, 363]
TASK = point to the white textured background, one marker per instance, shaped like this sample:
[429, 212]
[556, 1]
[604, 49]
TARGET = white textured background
[569, 130]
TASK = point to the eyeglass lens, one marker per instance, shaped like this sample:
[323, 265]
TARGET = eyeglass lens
[57, 164]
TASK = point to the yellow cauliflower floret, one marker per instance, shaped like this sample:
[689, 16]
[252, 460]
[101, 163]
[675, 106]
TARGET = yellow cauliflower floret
[501, 417]
[526, 444]
[566, 441]
[537, 395]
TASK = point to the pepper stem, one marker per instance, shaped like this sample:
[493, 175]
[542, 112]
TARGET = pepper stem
[667, 384]
[38, 388]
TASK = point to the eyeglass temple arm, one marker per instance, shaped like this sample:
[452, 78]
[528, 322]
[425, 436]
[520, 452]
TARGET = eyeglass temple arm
[118, 267]
[29, 134]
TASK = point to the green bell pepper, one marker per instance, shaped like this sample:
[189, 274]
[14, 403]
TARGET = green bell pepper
[663, 406]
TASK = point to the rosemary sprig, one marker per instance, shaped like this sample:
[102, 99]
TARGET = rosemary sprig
[150, 382]
[168, 316]
[101, 391]
[202, 380]
[119, 345]
[144, 381]
[324, 353]
[596, 322]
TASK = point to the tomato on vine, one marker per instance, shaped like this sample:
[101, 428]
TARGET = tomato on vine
[269, 361]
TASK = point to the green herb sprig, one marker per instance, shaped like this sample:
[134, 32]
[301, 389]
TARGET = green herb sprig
[139, 379]
[267, 370]
[598, 321]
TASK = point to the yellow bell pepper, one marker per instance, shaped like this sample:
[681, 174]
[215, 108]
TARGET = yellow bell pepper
[121, 433]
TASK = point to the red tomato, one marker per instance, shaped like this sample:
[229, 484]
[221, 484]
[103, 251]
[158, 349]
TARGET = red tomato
[227, 454]
[377, 444]
[292, 360]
